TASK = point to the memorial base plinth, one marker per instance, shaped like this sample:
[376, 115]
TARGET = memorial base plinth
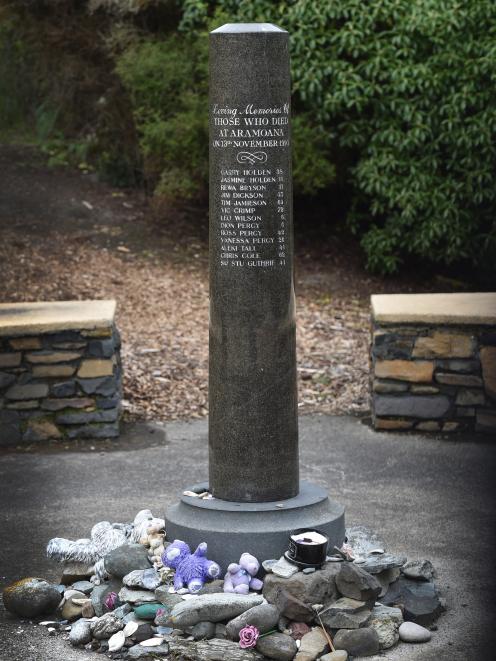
[231, 528]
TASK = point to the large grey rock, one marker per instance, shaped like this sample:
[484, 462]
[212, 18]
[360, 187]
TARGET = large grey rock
[80, 633]
[357, 642]
[277, 646]
[126, 558]
[414, 406]
[169, 599]
[345, 613]
[86, 587]
[312, 645]
[203, 631]
[387, 577]
[147, 653]
[420, 600]
[419, 570]
[211, 650]
[355, 583]
[30, 597]
[105, 626]
[252, 388]
[263, 616]
[386, 621]
[374, 564]
[295, 595]
[409, 632]
[212, 607]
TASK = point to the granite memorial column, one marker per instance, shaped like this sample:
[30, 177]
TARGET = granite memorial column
[253, 431]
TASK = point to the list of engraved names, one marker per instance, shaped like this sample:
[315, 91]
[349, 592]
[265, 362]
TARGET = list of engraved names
[254, 203]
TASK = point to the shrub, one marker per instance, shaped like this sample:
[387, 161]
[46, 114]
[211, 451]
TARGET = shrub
[406, 91]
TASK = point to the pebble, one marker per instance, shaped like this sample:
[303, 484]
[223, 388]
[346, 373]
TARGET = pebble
[152, 642]
[414, 633]
[147, 611]
[277, 646]
[80, 633]
[83, 586]
[203, 631]
[87, 610]
[338, 655]
[268, 564]
[264, 617]
[116, 641]
[309, 570]
[283, 568]
[105, 626]
[134, 596]
[130, 628]
[139, 652]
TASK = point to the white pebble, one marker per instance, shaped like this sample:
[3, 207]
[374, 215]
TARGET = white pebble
[130, 628]
[116, 642]
[414, 633]
[152, 642]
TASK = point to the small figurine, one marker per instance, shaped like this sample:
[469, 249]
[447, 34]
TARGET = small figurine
[240, 577]
[192, 569]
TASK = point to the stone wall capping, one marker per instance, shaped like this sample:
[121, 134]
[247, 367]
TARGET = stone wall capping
[463, 309]
[43, 354]
[433, 362]
[25, 319]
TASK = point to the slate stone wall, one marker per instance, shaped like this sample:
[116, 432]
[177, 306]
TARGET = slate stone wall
[59, 385]
[433, 378]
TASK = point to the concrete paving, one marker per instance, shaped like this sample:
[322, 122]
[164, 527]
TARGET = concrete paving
[426, 497]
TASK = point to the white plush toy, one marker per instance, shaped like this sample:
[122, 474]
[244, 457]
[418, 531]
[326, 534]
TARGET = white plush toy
[105, 537]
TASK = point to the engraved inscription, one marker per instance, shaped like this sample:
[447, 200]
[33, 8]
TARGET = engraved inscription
[254, 202]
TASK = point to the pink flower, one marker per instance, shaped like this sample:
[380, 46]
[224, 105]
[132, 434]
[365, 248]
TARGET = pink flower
[110, 600]
[248, 637]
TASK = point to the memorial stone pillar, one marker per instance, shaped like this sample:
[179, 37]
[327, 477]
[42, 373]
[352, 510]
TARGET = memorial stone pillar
[253, 429]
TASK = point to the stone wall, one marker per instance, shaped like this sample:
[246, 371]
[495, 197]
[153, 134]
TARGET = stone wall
[433, 362]
[59, 377]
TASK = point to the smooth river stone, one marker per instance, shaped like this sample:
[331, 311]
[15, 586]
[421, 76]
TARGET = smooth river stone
[212, 607]
[414, 633]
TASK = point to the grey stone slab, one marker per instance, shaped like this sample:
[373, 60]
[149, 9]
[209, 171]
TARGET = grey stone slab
[84, 417]
[27, 391]
[6, 379]
[252, 379]
[412, 406]
[106, 385]
[212, 607]
[10, 432]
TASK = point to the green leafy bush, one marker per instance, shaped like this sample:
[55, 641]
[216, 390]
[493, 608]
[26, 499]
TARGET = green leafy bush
[405, 91]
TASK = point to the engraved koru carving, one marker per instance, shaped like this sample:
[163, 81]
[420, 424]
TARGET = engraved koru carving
[251, 157]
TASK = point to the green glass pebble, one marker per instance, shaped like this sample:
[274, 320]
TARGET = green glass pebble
[147, 611]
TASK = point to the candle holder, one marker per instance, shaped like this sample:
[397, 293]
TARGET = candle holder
[307, 548]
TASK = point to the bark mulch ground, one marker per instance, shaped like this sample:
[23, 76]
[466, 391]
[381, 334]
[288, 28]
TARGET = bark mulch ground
[64, 235]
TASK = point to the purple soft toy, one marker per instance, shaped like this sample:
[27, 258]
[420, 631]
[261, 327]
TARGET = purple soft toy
[192, 570]
[240, 577]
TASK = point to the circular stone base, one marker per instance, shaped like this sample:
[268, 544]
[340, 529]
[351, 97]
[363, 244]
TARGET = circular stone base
[231, 528]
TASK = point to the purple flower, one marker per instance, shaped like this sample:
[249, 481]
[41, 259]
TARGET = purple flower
[110, 600]
[248, 637]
